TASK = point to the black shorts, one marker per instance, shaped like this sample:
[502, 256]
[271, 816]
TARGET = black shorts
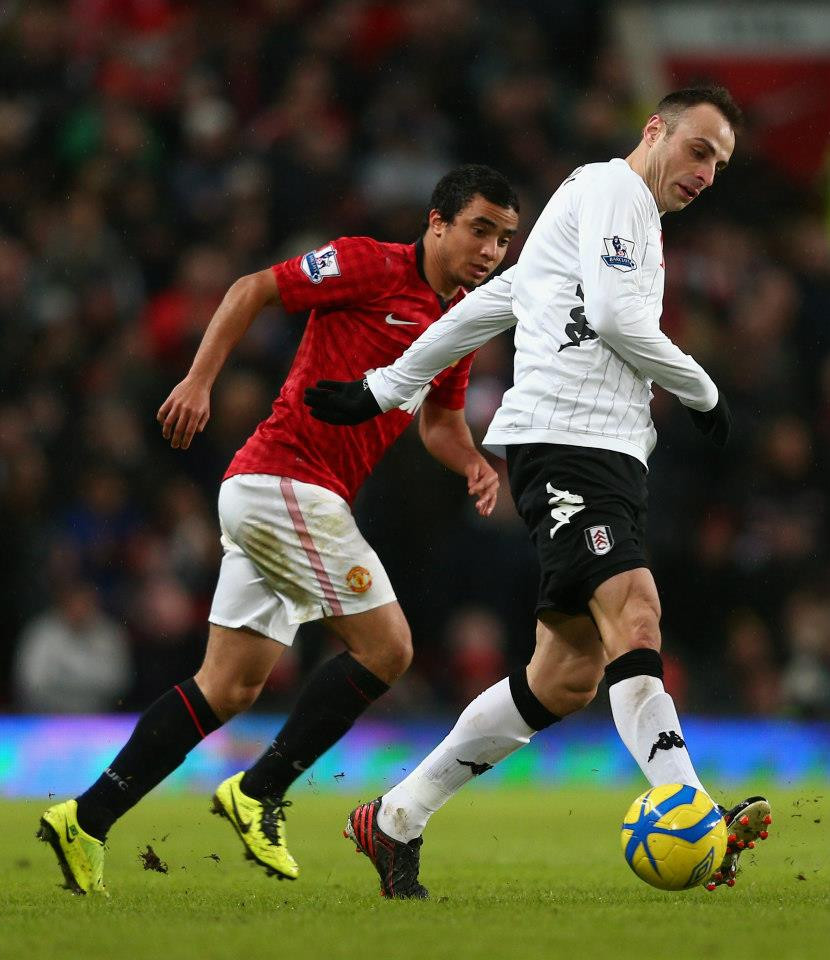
[586, 511]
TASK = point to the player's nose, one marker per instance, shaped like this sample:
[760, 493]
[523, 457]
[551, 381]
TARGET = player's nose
[489, 248]
[707, 176]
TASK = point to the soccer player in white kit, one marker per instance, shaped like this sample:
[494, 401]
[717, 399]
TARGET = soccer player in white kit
[576, 430]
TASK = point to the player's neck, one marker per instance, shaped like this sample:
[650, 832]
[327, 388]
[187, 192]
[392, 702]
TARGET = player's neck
[433, 271]
[637, 161]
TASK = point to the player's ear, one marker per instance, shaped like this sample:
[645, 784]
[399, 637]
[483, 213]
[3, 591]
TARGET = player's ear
[436, 222]
[653, 129]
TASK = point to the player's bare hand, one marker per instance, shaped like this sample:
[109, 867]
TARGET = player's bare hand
[483, 483]
[184, 413]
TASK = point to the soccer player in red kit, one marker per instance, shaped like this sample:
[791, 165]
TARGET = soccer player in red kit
[292, 551]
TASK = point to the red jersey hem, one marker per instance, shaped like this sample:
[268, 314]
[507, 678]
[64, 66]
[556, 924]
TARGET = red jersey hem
[293, 474]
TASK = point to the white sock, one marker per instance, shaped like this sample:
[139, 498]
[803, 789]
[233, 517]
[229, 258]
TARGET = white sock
[647, 723]
[489, 729]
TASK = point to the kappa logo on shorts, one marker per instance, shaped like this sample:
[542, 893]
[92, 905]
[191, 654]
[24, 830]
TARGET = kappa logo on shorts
[319, 264]
[358, 579]
[600, 540]
[565, 504]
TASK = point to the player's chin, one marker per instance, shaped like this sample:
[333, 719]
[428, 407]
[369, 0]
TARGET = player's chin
[475, 278]
[675, 205]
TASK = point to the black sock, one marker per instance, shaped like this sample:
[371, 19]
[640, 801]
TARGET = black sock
[334, 697]
[531, 709]
[165, 733]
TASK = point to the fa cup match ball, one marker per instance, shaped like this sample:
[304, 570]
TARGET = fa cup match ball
[674, 837]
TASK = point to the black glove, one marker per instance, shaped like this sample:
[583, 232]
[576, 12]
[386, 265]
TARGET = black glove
[715, 424]
[341, 402]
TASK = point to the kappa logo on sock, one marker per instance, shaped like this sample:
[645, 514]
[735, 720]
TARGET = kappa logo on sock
[665, 741]
[476, 768]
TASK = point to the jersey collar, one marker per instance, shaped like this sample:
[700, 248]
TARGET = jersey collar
[419, 266]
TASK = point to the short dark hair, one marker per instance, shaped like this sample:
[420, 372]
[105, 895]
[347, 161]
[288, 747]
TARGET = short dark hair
[458, 187]
[672, 105]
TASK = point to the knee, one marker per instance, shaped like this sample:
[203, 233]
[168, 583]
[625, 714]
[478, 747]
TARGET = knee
[403, 653]
[229, 698]
[389, 659]
[397, 654]
[643, 624]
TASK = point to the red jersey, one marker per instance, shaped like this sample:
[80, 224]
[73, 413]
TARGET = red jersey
[368, 302]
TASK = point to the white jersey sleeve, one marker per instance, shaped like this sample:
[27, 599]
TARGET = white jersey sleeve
[614, 302]
[480, 316]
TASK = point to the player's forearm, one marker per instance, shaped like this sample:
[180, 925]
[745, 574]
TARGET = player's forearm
[479, 317]
[451, 444]
[238, 310]
[652, 353]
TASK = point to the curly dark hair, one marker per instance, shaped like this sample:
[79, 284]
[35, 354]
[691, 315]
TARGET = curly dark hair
[455, 190]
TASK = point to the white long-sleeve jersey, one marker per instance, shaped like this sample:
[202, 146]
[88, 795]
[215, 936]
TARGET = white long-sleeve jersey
[586, 295]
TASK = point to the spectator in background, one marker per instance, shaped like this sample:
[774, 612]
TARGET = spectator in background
[73, 658]
[750, 656]
[806, 679]
[175, 319]
[476, 641]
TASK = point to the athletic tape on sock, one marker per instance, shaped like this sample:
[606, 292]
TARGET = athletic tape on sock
[642, 662]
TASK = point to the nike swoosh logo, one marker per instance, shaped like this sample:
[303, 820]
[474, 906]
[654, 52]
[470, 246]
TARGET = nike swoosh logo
[243, 825]
[69, 838]
[393, 322]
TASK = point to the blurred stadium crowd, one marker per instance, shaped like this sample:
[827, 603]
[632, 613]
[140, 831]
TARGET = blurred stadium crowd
[151, 152]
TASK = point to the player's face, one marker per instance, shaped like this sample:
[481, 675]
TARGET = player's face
[680, 166]
[471, 247]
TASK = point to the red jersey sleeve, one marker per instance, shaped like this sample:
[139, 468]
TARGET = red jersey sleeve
[348, 271]
[451, 390]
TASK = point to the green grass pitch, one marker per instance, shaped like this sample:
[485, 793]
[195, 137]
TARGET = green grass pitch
[512, 874]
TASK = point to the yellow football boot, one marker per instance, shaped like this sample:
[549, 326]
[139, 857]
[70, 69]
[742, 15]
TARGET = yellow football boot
[80, 856]
[260, 825]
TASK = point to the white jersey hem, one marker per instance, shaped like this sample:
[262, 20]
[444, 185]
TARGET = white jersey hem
[497, 440]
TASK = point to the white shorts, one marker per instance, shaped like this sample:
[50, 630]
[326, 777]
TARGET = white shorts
[292, 553]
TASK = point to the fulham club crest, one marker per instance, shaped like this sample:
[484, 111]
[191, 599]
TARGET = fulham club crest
[600, 540]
